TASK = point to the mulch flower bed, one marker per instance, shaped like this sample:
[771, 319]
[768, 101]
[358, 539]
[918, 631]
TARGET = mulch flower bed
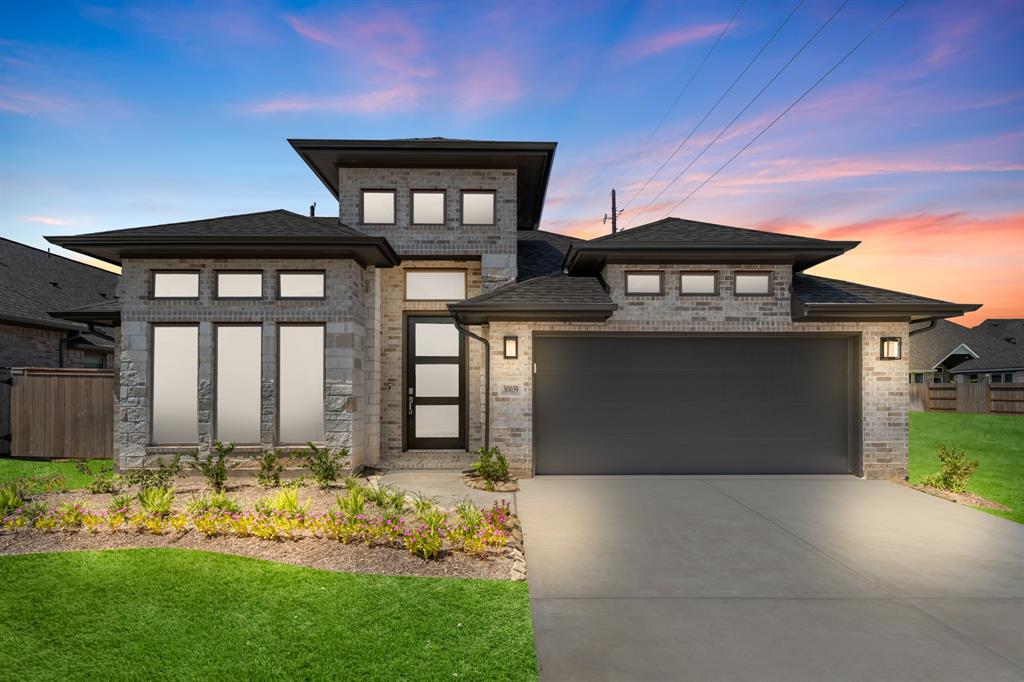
[967, 498]
[475, 480]
[360, 528]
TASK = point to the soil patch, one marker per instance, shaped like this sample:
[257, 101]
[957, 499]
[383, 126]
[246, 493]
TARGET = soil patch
[474, 480]
[967, 498]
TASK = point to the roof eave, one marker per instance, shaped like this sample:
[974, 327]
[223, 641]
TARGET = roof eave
[881, 312]
[107, 318]
[983, 370]
[40, 323]
[589, 257]
[518, 312]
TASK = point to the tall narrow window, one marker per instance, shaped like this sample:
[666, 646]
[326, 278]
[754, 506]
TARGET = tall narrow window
[175, 285]
[379, 206]
[175, 384]
[428, 207]
[478, 207]
[238, 383]
[301, 383]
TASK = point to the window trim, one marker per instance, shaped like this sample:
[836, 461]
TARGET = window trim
[163, 271]
[278, 295]
[216, 285]
[277, 378]
[760, 273]
[412, 207]
[405, 285]
[362, 205]
[151, 376]
[462, 207]
[661, 282]
[714, 273]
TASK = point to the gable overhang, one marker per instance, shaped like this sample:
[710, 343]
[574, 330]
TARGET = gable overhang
[590, 258]
[877, 312]
[532, 162]
[113, 249]
[472, 313]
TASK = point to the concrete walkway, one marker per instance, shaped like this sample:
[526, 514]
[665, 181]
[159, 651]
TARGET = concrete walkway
[446, 487]
[749, 578]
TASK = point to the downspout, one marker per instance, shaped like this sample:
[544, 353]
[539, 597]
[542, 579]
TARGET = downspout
[487, 377]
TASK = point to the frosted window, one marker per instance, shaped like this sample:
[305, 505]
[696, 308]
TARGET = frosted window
[752, 284]
[302, 285]
[379, 208]
[478, 208]
[697, 283]
[437, 381]
[428, 208]
[643, 283]
[437, 421]
[238, 383]
[439, 340]
[239, 284]
[175, 384]
[175, 285]
[301, 383]
[426, 285]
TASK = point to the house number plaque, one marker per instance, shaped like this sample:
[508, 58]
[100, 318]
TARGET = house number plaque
[511, 389]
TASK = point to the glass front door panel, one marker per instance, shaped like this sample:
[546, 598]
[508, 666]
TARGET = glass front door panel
[435, 379]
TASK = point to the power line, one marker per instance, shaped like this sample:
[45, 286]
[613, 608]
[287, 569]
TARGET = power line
[795, 102]
[714, 106]
[744, 109]
[686, 87]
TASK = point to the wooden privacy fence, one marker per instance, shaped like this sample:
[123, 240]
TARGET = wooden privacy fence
[62, 412]
[980, 397]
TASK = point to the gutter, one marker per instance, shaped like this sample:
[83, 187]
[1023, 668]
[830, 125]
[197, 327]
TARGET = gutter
[487, 376]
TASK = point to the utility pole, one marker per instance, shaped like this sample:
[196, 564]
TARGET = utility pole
[614, 216]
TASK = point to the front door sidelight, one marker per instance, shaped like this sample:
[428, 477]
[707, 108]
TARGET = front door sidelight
[435, 379]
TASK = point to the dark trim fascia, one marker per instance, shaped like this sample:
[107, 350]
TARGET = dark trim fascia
[895, 312]
[106, 318]
[112, 249]
[518, 312]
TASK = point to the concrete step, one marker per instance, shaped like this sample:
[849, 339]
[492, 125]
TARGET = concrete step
[443, 460]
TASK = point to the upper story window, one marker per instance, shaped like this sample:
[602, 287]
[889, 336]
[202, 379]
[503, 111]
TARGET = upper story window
[478, 207]
[435, 285]
[698, 283]
[427, 207]
[644, 283]
[753, 283]
[183, 284]
[301, 284]
[378, 207]
[239, 285]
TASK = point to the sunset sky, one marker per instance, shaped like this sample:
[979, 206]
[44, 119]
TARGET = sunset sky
[124, 114]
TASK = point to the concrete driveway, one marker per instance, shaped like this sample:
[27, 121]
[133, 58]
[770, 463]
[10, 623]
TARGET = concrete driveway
[749, 578]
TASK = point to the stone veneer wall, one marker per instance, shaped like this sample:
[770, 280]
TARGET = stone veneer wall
[347, 311]
[495, 245]
[884, 392]
[393, 310]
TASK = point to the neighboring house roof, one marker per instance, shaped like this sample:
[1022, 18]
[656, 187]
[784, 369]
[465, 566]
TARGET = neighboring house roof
[549, 297]
[674, 240]
[1011, 330]
[821, 298]
[531, 161]
[278, 232]
[105, 313]
[33, 283]
[930, 346]
[1009, 359]
[541, 253]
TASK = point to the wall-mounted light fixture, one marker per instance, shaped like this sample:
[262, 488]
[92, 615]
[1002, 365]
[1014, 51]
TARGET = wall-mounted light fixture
[892, 347]
[511, 347]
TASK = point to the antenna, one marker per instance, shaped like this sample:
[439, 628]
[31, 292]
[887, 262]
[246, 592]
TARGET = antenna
[312, 210]
[614, 217]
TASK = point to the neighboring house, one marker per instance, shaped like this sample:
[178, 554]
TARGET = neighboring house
[939, 346]
[34, 284]
[1002, 367]
[1010, 330]
[433, 318]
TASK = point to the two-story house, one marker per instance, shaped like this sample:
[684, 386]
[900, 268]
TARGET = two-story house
[433, 317]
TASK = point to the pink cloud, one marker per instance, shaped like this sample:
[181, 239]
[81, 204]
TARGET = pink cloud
[485, 81]
[18, 101]
[647, 46]
[44, 219]
[389, 99]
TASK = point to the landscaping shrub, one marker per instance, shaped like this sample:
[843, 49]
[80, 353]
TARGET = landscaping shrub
[285, 501]
[157, 501]
[215, 465]
[217, 502]
[120, 503]
[161, 477]
[11, 498]
[325, 465]
[955, 473]
[491, 466]
[352, 504]
[269, 475]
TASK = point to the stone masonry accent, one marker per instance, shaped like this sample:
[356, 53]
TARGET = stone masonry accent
[884, 398]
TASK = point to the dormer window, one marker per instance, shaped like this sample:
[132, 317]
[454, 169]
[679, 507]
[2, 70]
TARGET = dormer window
[428, 207]
[378, 207]
[478, 207]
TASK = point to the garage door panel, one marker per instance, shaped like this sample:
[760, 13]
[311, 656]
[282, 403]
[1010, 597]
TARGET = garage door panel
[700, 405]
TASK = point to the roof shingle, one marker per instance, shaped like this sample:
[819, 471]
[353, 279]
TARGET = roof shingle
[696, 232]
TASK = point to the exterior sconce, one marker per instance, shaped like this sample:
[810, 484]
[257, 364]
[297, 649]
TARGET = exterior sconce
[511, 347]
[892, 348]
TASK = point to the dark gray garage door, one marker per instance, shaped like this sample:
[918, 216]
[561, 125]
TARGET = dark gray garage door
[693, 405]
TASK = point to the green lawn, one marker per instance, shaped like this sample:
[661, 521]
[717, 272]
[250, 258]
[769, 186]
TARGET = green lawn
[995, 441]
[11, 469]
[188, 615]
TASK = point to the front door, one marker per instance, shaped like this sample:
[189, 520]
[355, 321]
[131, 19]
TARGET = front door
[435, 379]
